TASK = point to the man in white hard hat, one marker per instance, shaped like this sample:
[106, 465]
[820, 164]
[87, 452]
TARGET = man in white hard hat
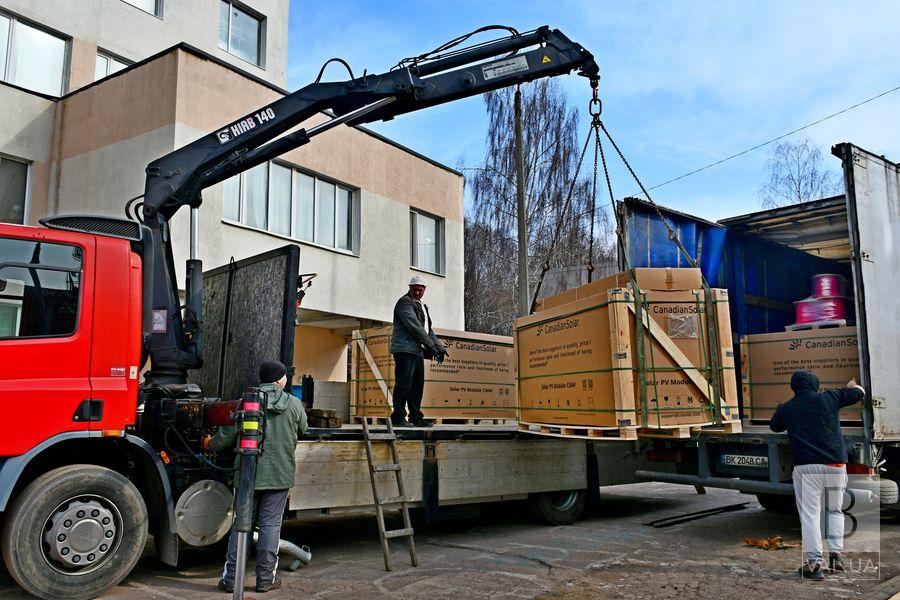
[412, 341]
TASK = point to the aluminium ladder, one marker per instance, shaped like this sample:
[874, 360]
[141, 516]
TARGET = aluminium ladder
[380, 501]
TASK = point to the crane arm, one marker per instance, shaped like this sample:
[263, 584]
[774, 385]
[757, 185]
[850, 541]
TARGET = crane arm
[177, 179]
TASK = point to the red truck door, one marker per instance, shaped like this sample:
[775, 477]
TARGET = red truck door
[116, 339]
[46, 297]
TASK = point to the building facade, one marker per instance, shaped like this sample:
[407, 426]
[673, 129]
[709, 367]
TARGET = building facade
[366, 212]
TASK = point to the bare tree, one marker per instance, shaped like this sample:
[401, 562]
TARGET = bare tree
[796, 174]
[559, 204]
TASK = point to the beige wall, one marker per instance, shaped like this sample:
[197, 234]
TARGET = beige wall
[320, 353]
[132, 34]
[108, 133]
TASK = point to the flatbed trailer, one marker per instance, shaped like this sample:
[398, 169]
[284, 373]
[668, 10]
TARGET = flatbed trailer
[446, 466]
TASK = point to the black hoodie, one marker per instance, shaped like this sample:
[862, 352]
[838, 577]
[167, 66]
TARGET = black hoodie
[812, 420]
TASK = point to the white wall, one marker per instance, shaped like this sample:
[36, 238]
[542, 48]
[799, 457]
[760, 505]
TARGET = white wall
[26, 133]
[122, 29]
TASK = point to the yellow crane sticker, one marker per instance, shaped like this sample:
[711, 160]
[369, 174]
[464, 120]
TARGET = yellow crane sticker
[545, 60]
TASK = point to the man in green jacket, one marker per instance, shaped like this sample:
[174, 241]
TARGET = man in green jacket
[285, 419]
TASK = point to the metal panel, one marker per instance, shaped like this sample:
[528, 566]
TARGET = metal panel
[334, 474]
[249, 307]
[873, 200]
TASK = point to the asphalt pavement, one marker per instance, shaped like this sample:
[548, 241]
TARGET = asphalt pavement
[503, 553]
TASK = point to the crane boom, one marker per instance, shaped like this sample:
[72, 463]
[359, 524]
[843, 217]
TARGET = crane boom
[173, 340]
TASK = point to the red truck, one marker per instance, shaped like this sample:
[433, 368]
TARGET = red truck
[99, 452]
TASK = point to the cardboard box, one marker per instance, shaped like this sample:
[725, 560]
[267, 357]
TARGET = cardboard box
[579, 360]
[769, 359]
[665, 279]
[476, 380]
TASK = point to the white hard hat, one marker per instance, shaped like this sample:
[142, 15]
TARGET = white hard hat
[417, 280]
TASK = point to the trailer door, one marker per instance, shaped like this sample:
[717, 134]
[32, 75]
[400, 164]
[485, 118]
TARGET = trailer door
[873, 212]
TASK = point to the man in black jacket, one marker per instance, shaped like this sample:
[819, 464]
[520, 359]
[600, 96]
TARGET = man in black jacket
[411, 341]
[813, 424]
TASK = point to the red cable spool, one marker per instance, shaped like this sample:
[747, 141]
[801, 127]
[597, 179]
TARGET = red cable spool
[832, 308]
[827, 285]
[807, 311]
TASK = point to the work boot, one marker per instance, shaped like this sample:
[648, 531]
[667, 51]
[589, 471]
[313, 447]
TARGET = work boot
[225, 586]
[401, 423]
[267, 586]
[813, 572]
[423, 423]
[836, 562]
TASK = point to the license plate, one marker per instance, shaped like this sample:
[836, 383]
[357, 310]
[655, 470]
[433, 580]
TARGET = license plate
[744, 460]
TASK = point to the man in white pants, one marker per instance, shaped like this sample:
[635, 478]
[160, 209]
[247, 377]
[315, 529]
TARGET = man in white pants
[813, 424]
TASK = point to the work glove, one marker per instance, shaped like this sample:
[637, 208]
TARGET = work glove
[442, 354]
[204, 443]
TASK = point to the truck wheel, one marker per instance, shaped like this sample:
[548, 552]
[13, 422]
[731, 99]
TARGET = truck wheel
[74, 532]
[557, 508]
[778, 503]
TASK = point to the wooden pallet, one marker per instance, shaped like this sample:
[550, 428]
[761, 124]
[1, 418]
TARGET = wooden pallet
[675, 432]
[470, 421]
[828, 324]
[729, 428]
[678, 432]
[442, 421]
[368, 420]
[579, 431]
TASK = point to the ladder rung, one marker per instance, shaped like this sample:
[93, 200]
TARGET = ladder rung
[399, 533]
[382, 436]
[385, 467]
[392, 500]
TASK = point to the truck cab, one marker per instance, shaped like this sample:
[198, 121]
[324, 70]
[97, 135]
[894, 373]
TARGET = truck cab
[69, 334]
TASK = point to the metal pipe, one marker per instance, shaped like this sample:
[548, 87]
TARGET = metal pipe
[743, 485]
[851, 495]
[195, 233]
[524, 292]
[301, 554]
[359, 112]
[240, 565]
[487, 50]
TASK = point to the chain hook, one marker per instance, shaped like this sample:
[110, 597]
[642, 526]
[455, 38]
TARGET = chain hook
[595, 100]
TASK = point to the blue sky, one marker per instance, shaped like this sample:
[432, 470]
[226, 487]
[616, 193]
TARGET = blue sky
[683, 83]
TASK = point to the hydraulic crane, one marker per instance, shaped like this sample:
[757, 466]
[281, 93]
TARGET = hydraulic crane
[66, 482]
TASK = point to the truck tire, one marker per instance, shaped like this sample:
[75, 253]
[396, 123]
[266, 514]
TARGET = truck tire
[558, 508]
[74, 532]
[888, 493]
[778, 503]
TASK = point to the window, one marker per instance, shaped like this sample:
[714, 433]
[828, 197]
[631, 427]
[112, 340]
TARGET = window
[30, 57]
[151, 6]
[13, 190]
[285, 201]
[39, 288]
[107, 65]
[239, 32]
[427, 242]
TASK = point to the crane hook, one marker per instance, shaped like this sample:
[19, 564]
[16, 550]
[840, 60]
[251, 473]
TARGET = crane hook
[595, 100]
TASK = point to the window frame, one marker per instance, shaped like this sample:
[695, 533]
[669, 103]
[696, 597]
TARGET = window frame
[81, 286]
[14, 21]
[440, 244]
[158, 8]
[26, 208]
[294, 234]
[101, 53]
[260, 37]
